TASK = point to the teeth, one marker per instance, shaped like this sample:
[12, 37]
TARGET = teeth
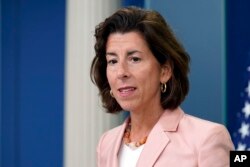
[127, 89]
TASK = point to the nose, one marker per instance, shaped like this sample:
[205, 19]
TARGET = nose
[123, 70]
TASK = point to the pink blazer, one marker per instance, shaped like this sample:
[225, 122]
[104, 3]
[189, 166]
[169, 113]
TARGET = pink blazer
[177, 140]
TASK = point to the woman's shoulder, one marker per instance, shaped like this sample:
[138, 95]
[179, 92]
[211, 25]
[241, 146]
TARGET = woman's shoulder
[203, 131]
[211, 141]
[111, 132]
[109, 137]
[202, 125]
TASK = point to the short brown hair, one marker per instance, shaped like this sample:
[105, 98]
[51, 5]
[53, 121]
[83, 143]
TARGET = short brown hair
[162, 43]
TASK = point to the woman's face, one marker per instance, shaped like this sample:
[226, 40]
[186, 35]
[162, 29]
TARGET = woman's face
[133, 72]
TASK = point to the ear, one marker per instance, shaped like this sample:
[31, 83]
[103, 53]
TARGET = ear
[166, 72]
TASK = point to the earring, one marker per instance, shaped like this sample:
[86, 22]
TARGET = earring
[163, 87]
[111, 93]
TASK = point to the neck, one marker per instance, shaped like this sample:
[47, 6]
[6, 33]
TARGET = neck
[142, 123]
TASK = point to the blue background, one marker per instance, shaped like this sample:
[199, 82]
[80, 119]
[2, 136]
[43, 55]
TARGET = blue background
[32, 69]
[32, 83]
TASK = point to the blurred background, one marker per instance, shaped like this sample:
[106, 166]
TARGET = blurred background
[50, 114]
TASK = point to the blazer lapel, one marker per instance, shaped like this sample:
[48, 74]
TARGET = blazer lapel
[158, 140]
[113, 156]
[156, 143]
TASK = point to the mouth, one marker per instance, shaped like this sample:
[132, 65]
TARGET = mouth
[126, 91]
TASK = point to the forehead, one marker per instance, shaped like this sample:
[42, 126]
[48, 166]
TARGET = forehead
[133, 39]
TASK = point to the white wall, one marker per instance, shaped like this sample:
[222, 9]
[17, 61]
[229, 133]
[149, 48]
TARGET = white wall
[84, 119]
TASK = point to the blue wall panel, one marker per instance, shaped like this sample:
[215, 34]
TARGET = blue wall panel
[200, 27]
[138, 3]
[9, 78]
[32, 83]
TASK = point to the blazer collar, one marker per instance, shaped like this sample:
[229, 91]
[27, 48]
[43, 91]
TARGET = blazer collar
[170, 119]
[158, 139]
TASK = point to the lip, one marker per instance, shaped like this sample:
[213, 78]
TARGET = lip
[126, 91]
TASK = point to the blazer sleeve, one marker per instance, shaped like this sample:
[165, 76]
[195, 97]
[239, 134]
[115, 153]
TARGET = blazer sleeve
[215, 150]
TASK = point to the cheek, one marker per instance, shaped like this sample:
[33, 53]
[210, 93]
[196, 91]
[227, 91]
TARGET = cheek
[149, 80]
[152, 80]
[110, 77]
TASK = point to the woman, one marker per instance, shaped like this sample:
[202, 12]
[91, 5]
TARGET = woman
[140, 67]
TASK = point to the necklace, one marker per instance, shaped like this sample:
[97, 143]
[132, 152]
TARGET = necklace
[126, 138]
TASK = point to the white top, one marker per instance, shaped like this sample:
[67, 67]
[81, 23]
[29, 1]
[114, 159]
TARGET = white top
[128, 157]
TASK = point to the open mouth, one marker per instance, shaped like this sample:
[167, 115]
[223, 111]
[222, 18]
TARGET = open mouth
[126, 91]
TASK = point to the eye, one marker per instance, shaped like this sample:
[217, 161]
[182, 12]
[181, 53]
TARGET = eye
[136, 59]
[111, 62]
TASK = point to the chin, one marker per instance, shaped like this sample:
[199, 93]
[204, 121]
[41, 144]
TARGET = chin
[127, 107]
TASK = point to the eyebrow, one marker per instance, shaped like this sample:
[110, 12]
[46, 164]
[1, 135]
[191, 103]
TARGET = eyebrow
[132, 52]
[128, 53]
[111, 54]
